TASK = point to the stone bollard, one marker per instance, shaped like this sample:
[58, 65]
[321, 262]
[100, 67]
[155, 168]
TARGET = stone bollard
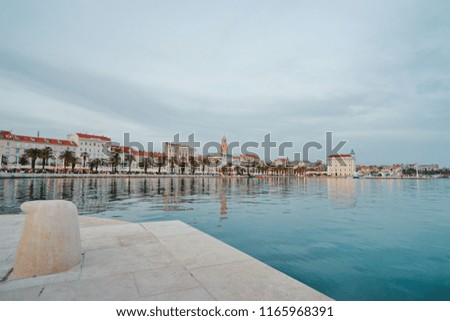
[50, 241]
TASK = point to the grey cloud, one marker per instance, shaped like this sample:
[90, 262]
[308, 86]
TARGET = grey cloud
[376, 73]
[88, 90]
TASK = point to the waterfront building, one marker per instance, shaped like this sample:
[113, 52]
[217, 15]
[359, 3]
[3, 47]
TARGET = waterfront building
[247, 159]
[219, 160]
[429, 168]
[249, 162]
[13, 146]
[91, 144]
[341, 165]
[236, 160]
[280, 162]
[179, 157]
[178, 151]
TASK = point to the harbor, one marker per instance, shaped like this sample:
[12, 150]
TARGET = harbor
[323, 232]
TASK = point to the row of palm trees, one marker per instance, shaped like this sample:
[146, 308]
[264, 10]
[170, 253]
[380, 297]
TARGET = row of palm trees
[262, 169]
[69, 158]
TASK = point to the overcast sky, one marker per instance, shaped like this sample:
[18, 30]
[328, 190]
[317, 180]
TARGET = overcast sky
[375, 73]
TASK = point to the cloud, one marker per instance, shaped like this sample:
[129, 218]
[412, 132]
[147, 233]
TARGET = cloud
[371, 72]
[80, 88]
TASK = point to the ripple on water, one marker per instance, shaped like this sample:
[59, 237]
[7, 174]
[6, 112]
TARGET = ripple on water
[351, 239]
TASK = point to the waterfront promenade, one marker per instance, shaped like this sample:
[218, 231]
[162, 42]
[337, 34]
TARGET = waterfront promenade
[166, 260]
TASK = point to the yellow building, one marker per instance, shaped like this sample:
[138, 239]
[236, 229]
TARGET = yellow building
[341, 165]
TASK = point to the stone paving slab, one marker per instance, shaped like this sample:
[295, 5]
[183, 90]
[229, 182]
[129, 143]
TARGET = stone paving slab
[262, 283]
[119, 287]
[165, 280]
[194, 294]
[208, 250]
[167, 261]
[10, 230]
[126, 259]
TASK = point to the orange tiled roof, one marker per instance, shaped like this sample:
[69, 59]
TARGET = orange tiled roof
[251, 155]
[339, 155]
[88, 136]
[7, 135]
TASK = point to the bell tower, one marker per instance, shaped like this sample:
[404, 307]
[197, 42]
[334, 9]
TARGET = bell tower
[224, 146]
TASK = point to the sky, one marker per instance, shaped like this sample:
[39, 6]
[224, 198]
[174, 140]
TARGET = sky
[374, 73]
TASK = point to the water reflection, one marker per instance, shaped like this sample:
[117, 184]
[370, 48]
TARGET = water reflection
[169, 194]
[342, 192]
[223, 205]
[306, 228]
[97, 195]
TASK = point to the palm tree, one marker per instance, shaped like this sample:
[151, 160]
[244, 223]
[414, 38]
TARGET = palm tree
[206, 162]
[74, 162]
[23, 160]
[212, 163]
[46, 154]
[114, 160]
[300, 170]
[68, 157]
[172, 161]
[193, 164]
[94, 164]
[33, 153]
[183, 165]
[161, 161]
[84, 155]
[146, 163]
[129, 159]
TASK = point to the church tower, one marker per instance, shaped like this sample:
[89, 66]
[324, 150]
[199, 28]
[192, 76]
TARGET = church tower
[224, 146]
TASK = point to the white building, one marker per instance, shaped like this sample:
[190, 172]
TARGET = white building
[178, 151]
[91, 144]
[13, 146]
[280, 162]
[431, 167]
[341, 165]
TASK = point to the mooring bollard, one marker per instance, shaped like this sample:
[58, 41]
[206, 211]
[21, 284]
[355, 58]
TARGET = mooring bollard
[50, 241]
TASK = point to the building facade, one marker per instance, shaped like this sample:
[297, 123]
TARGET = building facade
[93, 145]
[13, 146]
[341, 165]
[178, 151]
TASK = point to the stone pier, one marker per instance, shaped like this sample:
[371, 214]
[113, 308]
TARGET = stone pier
[166, 260]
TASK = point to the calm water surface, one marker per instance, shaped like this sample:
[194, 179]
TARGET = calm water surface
[350, 239]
